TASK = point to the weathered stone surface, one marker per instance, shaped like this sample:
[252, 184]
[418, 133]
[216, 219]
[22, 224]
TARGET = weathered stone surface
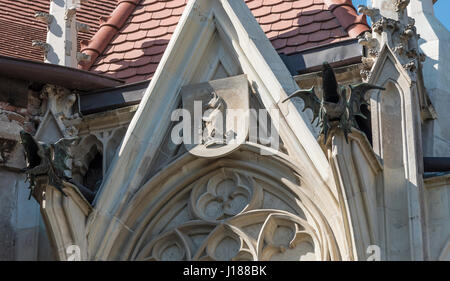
[8, 197]
[307, 200]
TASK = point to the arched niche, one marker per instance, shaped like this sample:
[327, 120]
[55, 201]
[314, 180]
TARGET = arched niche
[227, 209]
[88, 160]
[391, 150]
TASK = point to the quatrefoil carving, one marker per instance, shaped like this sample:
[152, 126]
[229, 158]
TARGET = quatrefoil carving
[225, 194]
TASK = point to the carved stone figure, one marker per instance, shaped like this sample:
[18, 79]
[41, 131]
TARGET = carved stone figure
[50, 160]
[213, 121]
[220, 123]
[335, 109]
[46, 159]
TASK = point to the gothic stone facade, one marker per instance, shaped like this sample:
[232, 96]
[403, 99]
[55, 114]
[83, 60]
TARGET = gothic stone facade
[356, 195]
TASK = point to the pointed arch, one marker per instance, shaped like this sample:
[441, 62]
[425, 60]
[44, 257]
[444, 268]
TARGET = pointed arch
[178, 197]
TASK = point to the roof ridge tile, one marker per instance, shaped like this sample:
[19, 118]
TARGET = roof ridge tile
[106, 32]
[347, 16]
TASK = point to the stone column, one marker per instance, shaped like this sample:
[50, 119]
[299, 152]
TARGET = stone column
[62, 33]
[394, 61]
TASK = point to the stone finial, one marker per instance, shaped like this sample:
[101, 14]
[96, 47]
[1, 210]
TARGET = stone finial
[373, 13]
[43, 17]
[400, 5]
[70, 13]
[83, 27]
[82, 57]
[367, 40]
[41, 45]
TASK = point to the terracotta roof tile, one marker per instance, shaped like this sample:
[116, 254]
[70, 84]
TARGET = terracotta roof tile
[155, 6]
[297, 40]
[292, 14]
[272, 2]
[150, 24]
[305, 20]
[279, 43]
[291, 25]
[254, 4]
[271, 18]
[283, 7]
[178, 11]
[319, 36]
[18, 27]
[144, 17]
[262, 11]
[313, 9]
[330, 24]
[281, 25]
[304, 3]
[310, 28]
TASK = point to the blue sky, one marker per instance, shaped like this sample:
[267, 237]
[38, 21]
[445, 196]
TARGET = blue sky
[441, 10]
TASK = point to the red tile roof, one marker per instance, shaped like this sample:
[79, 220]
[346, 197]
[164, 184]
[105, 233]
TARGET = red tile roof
[91, 13]
[130, 44]
[18, 27]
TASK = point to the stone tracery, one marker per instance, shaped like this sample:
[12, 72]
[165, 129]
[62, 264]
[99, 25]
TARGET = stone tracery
[231, 218]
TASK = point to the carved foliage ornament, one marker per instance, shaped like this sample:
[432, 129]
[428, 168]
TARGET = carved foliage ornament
[402, 38]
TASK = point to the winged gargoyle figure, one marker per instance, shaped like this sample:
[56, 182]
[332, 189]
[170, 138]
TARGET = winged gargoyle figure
[46, 159]
[335, 107]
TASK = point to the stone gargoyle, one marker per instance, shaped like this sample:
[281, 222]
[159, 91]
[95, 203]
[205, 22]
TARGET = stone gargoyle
[49, 159]
[335, 108]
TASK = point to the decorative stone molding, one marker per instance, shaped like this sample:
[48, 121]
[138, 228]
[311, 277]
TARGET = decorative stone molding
[227, 213]
[282, 236]
[400, 35]
[65, 217]
[265, 219]
[59, 101]
[225, 195]
[402, 38]
[357, 172]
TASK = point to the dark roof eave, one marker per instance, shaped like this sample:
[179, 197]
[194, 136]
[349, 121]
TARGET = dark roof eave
[113, 98]
[337, 54]
[45, 73]
[304, 62]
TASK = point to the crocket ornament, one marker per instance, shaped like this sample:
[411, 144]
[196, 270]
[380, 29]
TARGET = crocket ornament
[335, 108]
